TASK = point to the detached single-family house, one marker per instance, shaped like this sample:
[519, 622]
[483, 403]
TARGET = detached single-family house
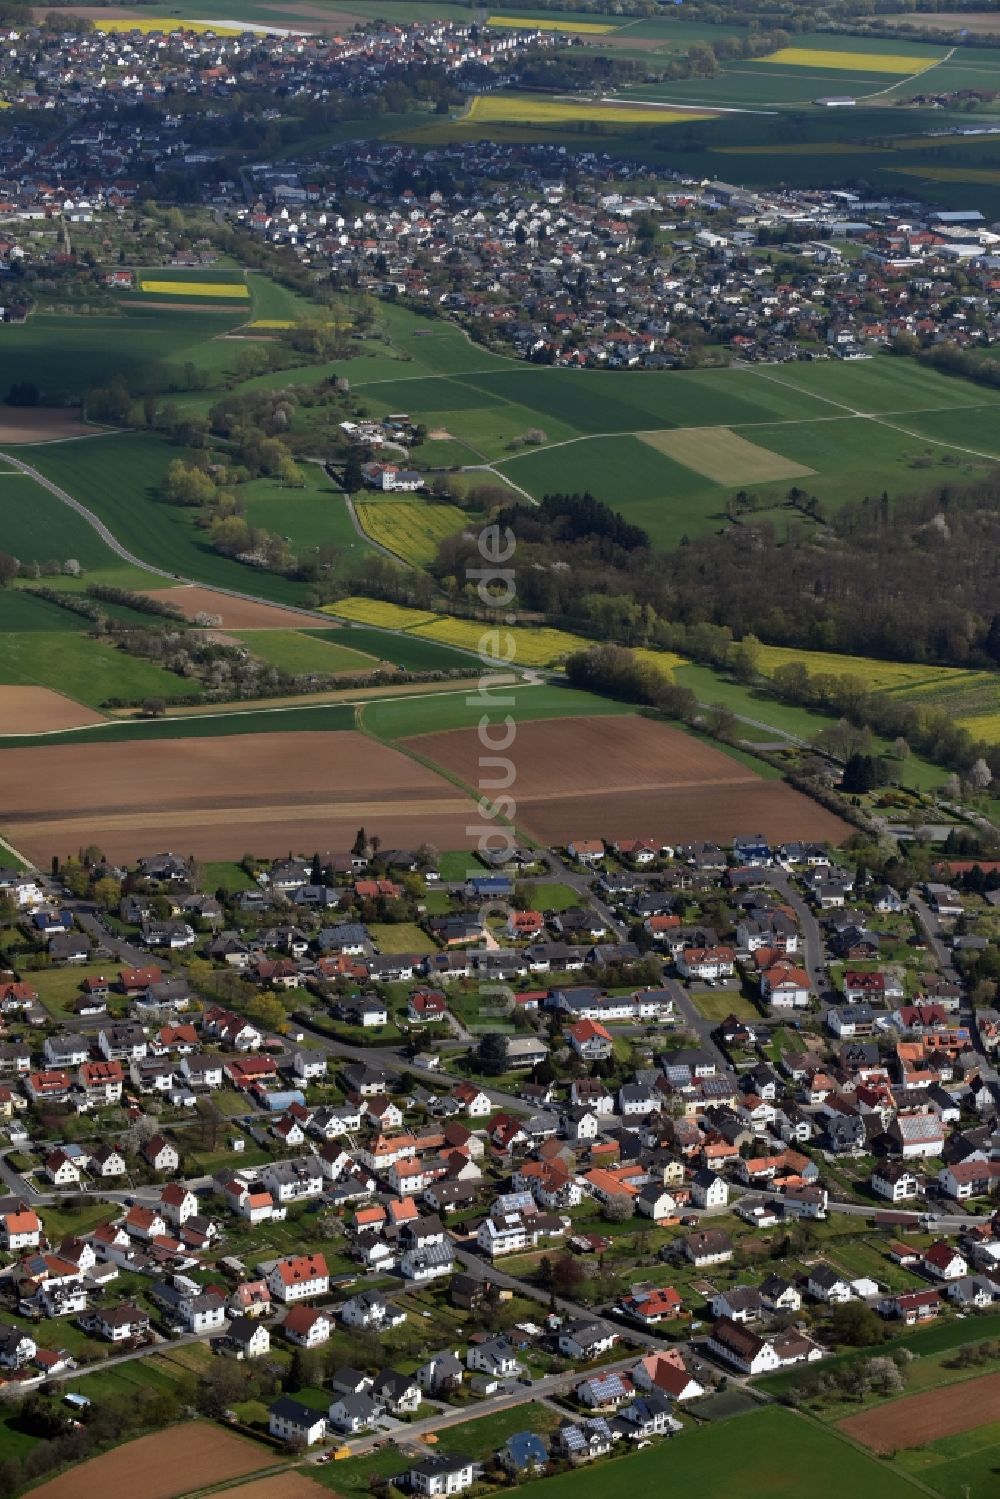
[292, 1421]
[299, 1276]
[442, 1474]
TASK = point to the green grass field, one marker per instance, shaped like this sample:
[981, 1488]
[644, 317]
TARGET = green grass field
[311, 517]
[769, 1454]
[308, 718]
[65, 356]
[805, 412]
[408, 652]
[786, 719]
[20, 612]
[399, 718]
[119, 479]
[302, 655]
[959, 1467]
[667, 500]
[36, 527]
[86, 669]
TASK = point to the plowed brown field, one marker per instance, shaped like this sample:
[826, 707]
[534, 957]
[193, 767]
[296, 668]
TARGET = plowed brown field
[193, 1456]
[277, 1486]
[39, 710]
[918, 1419]
[235, 613]
[220, 798]
[43, 424]
[629, 777]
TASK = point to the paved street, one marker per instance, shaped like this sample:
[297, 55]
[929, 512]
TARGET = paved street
[484, 1269]
[945, 960]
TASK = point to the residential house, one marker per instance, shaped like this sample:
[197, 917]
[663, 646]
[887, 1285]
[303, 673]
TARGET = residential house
[292, 1421]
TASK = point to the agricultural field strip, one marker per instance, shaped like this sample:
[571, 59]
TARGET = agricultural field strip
[224, 710]
[872, 416]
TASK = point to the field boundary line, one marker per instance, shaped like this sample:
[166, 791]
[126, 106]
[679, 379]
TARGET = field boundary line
[17, 854]
[882, 1461]
[251, 712]
[102, 530]
[937, 442]
[920, 73]
[363, 534]
[778, 421]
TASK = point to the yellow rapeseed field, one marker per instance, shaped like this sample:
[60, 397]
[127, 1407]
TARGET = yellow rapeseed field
[165, 23]
[523, 109]
[881, 676]
[530, 647]
[411, 530]
[519, 23]
[986, 727]
[231, 290]
[382, 615]
[849, 62]
[271, 322]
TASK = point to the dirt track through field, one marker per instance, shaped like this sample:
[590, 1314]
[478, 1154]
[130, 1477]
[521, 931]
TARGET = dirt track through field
[40, 710]
[918, 1419]
[164, 1466]
[222, 797]
[630, 777]
[235, 613]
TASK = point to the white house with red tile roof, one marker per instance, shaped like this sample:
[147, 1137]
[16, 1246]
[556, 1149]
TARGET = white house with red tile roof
[944, 1262]
[299, 1276]
[21, 1230]
[178, 1203]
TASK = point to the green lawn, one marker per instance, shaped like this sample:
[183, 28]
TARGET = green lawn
[719, 1006]
[14, 1442]
[227, 876]
[401, 936]
[481, 1439]
[458, 864]
[553, 896]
